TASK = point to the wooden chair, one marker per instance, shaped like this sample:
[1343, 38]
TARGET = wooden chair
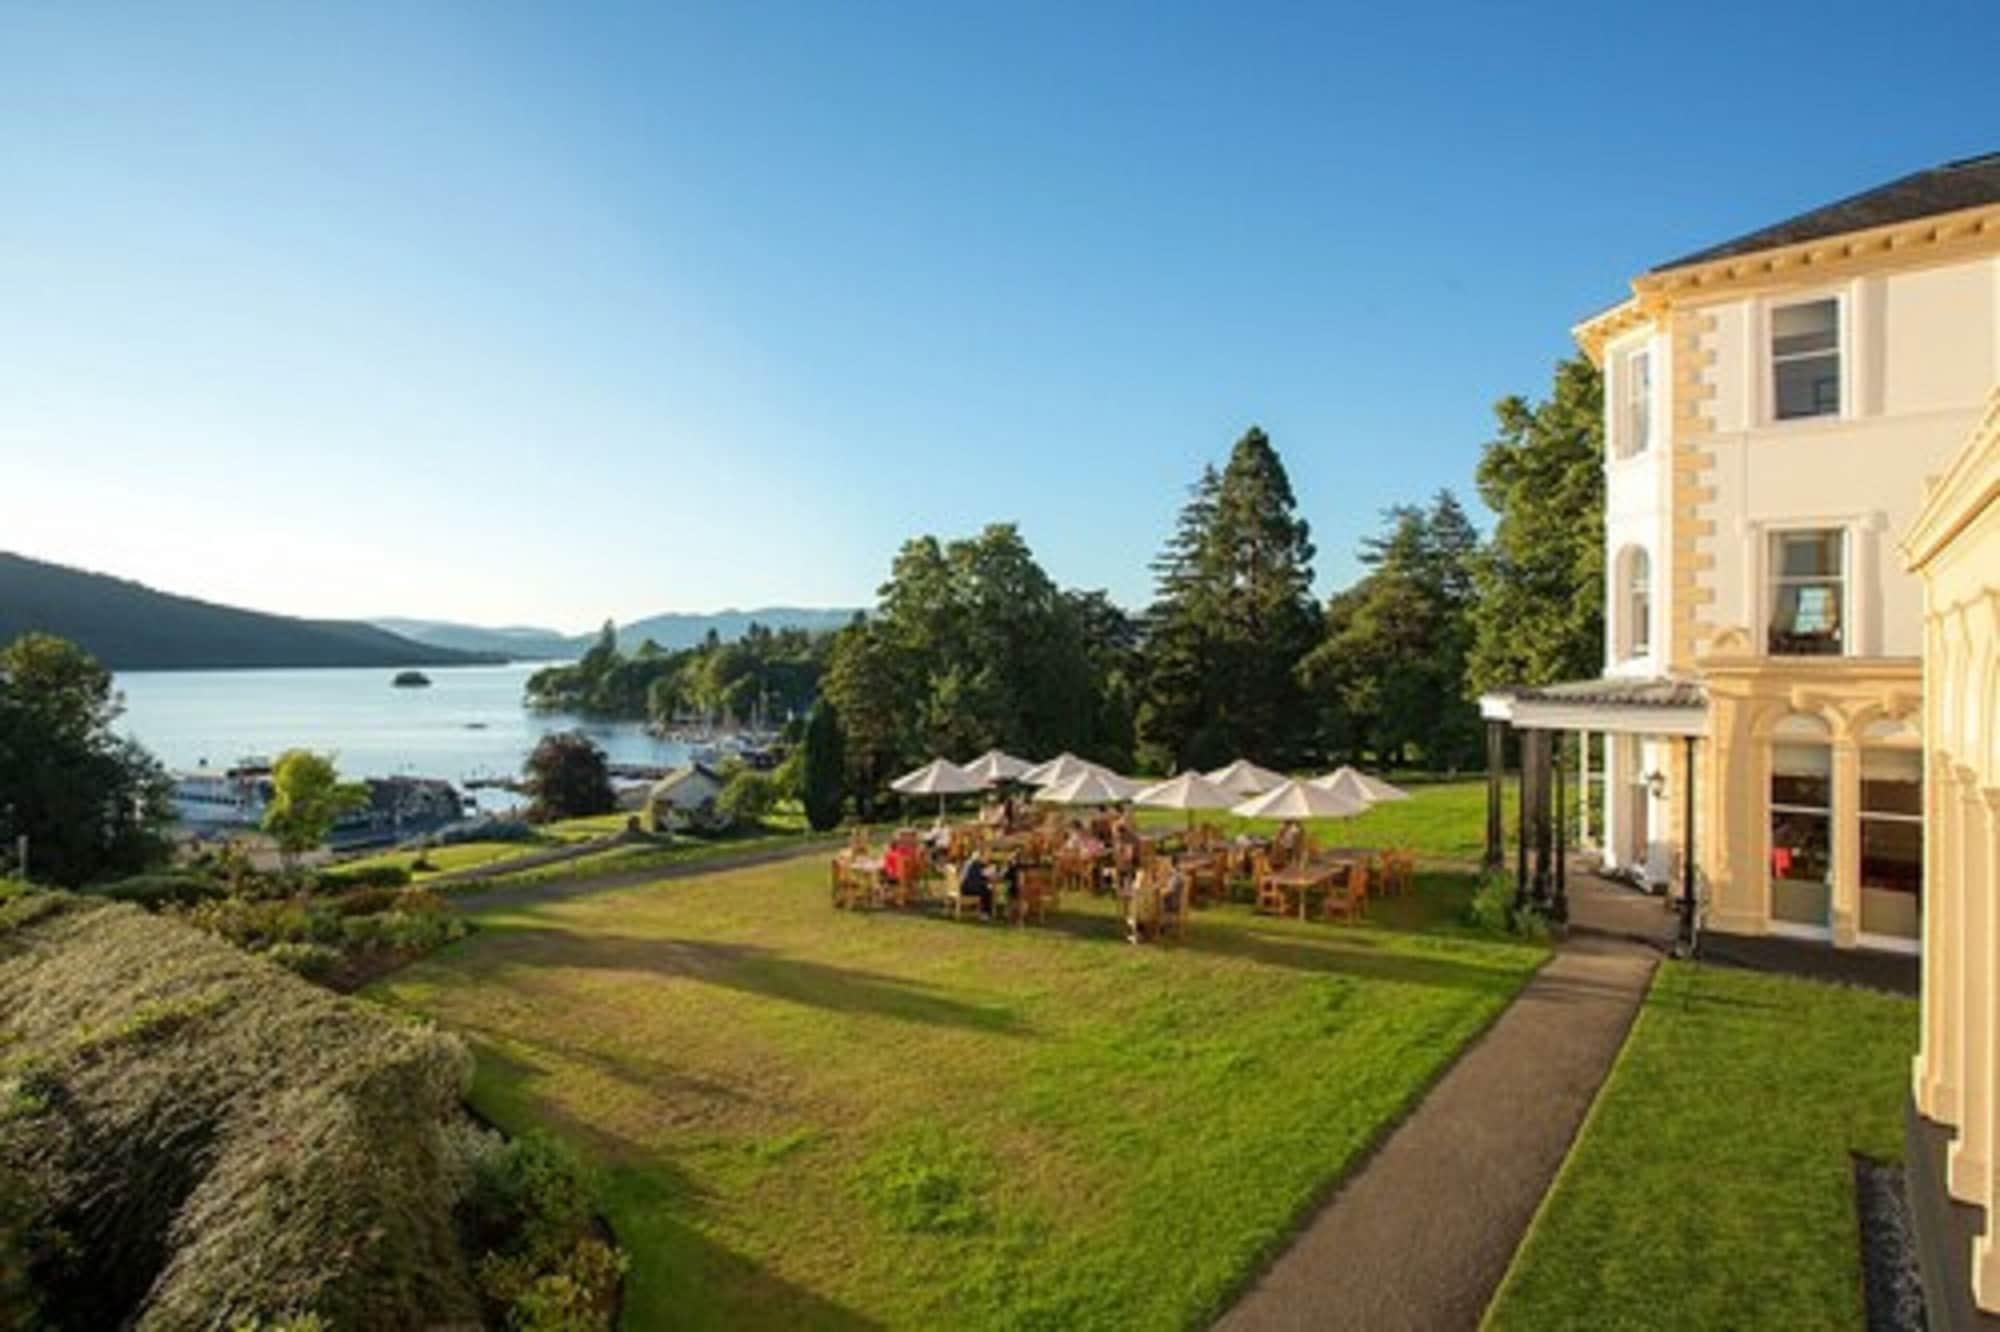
[1142, 908]
[1040, 893]
[1174, 908]
[852, 888]
[1206, 881]
[1347, 894]
[1270, 897]
[954, 901]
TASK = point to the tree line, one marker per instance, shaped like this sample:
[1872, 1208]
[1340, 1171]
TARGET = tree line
[972, 645]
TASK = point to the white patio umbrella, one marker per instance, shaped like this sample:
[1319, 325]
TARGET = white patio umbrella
[1189, 791]
[939, 777]
[1300, 800]
[1062, 768]
[994, 767]
[1352, 781]
[1092, 787]
[1244, 778]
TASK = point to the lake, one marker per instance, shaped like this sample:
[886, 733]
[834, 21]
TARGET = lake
[470, 722]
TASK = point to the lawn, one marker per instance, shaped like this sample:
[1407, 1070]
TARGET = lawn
[836, 1120]
[1712, 1184]
[458, 856]
[1442, 820]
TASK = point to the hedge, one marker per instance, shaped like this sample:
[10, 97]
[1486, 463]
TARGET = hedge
[208, 1141]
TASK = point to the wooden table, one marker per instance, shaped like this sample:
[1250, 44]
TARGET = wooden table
[1304, 879]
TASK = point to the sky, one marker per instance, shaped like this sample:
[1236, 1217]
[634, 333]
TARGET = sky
[542, 313]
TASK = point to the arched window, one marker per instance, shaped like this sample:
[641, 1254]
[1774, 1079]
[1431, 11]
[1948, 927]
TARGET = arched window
[1635, 598]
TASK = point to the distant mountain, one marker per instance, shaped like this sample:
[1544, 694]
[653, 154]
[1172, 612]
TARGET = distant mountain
[520, 642]
[675, 629]
[130, 627]
[685, 629]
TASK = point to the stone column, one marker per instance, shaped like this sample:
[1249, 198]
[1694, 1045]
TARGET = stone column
[1986, 1249]
[1844, 910]
[1583, 789]
[1496, 744]
[1971, 1153]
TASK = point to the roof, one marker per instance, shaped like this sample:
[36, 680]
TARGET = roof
[679, 777]
[1967, 183]
[1655, 692]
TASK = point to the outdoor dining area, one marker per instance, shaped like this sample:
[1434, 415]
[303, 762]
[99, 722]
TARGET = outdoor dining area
[1070, 826]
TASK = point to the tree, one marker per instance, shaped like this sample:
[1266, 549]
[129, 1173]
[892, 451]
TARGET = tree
[1391, 669]
[307, 797]
[92, 803]
[567, 778]
[1539, 611]
[823, 767]
[747, 797]
[1232, 618]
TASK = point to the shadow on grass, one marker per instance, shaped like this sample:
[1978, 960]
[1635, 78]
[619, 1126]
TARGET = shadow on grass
[681, 1277]
[1344, 951]
[752, 969]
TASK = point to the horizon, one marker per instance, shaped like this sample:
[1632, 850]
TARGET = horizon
[382, 337]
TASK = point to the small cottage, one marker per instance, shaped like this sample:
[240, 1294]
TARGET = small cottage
[684, 798]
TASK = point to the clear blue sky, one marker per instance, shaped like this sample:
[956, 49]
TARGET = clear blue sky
[544, 313]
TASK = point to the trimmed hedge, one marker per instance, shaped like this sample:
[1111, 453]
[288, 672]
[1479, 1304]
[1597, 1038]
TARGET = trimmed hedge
[207, 1141]
[361, 876]
[159, 890]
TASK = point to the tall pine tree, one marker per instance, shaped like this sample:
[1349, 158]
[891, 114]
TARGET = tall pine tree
[1232, 619]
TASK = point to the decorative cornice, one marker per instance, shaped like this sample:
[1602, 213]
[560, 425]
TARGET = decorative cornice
[1927, 240]
[1954, 500]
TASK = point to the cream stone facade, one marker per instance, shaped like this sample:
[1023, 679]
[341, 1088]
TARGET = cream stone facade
[1953, 544]
[1772, 409]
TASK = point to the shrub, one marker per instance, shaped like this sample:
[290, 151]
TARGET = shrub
[361, 876]
[154, 891]
[527, 1207]
[269, 1158]
[1491, 909]
[311, 960]
[747, 797]
[822, 767]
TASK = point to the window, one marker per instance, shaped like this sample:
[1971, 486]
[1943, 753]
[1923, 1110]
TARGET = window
[1801, 834]
[1808, 587]
[1638, 594]
[1892, 841]
[1805, 359]
[1635, 425]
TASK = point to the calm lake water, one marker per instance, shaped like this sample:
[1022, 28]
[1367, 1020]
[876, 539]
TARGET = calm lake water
[469, 723]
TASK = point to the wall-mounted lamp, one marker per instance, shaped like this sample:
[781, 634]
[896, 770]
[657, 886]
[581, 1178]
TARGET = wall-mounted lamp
[1656, 783]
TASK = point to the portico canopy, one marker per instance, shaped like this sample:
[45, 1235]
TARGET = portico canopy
[1642, 705]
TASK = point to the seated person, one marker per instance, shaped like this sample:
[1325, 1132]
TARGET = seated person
[1010, 877]
[992, 812]
[972, 882]
[857, 843]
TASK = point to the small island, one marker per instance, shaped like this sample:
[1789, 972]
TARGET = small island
[411, 680]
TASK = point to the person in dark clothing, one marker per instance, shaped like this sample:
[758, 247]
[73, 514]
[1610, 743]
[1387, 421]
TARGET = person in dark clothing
[972, 882]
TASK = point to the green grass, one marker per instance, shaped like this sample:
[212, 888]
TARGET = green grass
[836, 1120]
[1444, 820]
[589, 828]
[458, 856]
[683, 850]
[1712, 1186]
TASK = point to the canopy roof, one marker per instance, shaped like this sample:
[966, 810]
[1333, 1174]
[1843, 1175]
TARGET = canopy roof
[1300, 800]
[1347, 780]
[994, 767]
[1245, 778]
[1095, 787]
[939, 777]
[1061, 768]
[1190, 790]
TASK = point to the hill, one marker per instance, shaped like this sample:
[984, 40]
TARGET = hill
[676, 629]
[131, 627]
[520, 642]
[672, 629]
